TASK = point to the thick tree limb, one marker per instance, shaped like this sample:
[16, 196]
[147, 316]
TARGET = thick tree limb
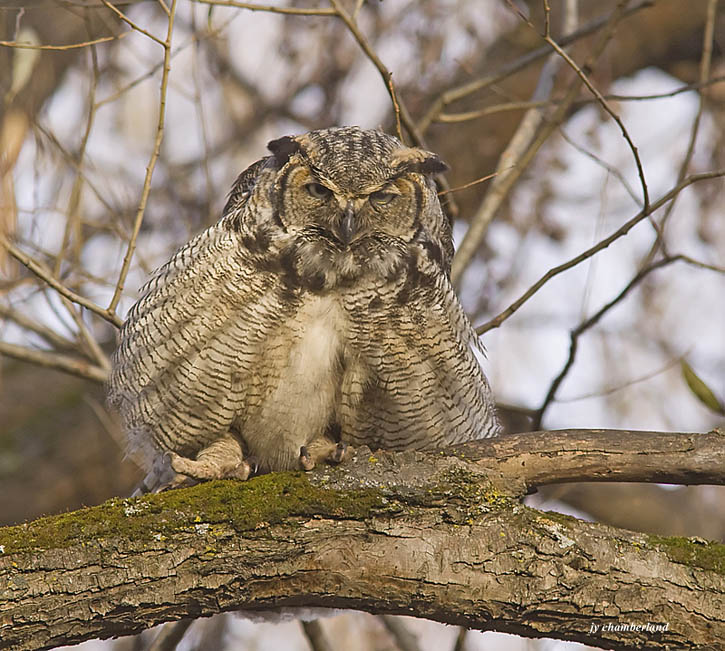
[432, 535]
[541, 458]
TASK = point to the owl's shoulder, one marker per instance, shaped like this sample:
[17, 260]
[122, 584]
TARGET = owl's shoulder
[242, 189]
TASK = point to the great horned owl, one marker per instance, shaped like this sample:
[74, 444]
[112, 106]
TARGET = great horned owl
[316, 313]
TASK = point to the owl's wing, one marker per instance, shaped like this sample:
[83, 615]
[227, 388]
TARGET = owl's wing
[188, 342]
[424, 387]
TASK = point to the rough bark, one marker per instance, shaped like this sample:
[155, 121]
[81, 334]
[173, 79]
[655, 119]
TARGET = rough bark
[431, 535]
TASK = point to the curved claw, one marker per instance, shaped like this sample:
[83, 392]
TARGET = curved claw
[338, 455]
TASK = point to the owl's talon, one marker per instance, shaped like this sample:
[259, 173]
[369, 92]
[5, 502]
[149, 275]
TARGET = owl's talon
[306, 461]
[339, 453]
[253, 463]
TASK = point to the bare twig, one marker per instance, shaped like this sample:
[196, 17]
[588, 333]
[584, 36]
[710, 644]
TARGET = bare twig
[294, 11]
[401, 112]
[599, 246]
[586, 325]
[72, 46]
[45, 275]
[705, 64]
[152, 162]
[465, 186]
[451, 118]
[455, 94]
[531, 134]
[606, 391]
[66, 363]
[51, 336]
[72, 227]
[132, 24]
[602, 163]
[605, 105]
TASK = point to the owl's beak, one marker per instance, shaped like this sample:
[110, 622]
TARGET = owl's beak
[348, 227]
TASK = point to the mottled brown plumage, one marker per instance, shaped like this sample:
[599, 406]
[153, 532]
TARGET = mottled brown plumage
[317, 312]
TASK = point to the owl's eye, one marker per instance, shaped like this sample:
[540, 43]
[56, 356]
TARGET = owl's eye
[318, 191]
[381, 198]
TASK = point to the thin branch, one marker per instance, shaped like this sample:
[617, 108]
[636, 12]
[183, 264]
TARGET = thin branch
[605, 105]
[530, 136]
[72, 46]
[586, 325]
[73, 218]
[131, 24]
[294, 11]
[51, 336]
[599, 246]
[705, 65]
[610, 169]
[66, 363]
[465, 116]
[45, 275]
[620, 386]
[152, 162]
[93, 349]
[455, 94]
[401, 112]
[465, 186]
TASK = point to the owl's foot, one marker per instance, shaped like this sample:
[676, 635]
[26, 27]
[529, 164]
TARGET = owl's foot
[322, 449]
[222, 459]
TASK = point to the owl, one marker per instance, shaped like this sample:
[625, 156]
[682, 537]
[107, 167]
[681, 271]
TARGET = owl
[316, 314]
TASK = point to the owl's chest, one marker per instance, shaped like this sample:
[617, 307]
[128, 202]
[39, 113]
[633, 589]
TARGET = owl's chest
[317, 334]
[295, 399]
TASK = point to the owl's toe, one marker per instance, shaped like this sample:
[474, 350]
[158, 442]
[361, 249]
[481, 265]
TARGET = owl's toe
[242, 471]
[306, 460]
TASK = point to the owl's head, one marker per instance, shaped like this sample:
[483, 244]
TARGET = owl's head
[353, 201]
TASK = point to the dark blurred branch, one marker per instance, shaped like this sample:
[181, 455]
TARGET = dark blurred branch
[316, 636]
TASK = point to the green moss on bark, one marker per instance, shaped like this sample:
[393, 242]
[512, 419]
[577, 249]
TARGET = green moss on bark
[243, 506]
[694, 552]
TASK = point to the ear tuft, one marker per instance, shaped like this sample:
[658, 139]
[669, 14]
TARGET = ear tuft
[283, 148]
[412, 159]
[432, 165]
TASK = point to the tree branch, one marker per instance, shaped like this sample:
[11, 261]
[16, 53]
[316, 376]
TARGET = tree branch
[433, 535]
